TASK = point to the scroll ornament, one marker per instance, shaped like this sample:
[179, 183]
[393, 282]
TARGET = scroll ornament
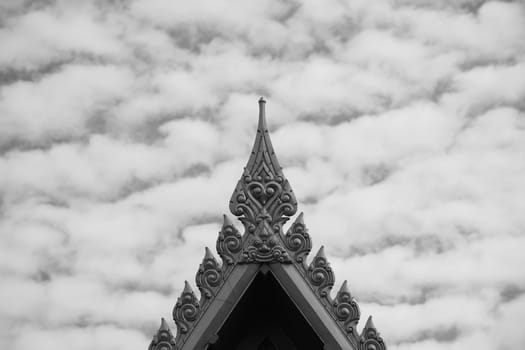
[229, 242]
[209, 276]
[163, 339]
[297, 240]
[345, 309]
[320, 275]
[186, 311]
[370, 339]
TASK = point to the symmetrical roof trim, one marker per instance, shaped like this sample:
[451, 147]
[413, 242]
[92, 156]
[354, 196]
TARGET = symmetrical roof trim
[263, 201]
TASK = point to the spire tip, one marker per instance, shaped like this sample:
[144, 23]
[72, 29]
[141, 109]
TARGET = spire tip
[320, 252]
[262, 115]
[226, 221]
[187, 288]
[369, 323]
[207, 253]
[164, 325]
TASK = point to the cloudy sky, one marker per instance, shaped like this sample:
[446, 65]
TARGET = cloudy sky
[124, 127]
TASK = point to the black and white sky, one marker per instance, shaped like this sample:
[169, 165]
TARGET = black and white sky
[125, 125]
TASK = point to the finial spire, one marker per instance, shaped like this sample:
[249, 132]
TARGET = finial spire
[263, 199]
[262, 114]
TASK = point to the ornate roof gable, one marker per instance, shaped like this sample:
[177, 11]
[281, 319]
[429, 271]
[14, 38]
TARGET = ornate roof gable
[263, 201]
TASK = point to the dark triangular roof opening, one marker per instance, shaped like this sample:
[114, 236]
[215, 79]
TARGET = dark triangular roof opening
[266, 316]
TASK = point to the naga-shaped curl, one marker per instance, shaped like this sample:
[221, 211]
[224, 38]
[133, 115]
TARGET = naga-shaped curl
[209, 276]
[370, 338]
[163, 339]
[186, 311]
[345, 309]
[229, 243]
[320, 275]
[297, 240]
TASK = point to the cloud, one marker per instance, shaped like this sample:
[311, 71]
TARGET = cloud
[38, 38]
[124, 127]
[60, 105]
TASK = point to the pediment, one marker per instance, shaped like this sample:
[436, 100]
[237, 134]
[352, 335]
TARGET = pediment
[264, 294]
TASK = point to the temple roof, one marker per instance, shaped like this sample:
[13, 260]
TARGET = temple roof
[263, 201]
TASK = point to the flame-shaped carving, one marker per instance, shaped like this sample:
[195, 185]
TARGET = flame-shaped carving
[297, 240]
[263, 199]
[345, 309]
[186, 310]
[164, 339]
[370, 338]
[320, 275]
[209, 276]
[229, 243]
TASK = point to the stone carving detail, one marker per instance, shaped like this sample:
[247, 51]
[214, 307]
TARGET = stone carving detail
[229, 243]
[263, 200]
[345, 309]
[370, 338]
[320, 275]
[186, 311]
[209, 276]
[262, 251]
[164, 339]
[297, 240]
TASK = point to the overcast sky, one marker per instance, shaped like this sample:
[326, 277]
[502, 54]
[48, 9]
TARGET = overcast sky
[124, 127]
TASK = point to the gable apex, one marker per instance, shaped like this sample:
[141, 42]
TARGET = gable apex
[263, 201]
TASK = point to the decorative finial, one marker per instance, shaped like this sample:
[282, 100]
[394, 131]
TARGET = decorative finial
[163, 325]
[186, 310]
[187, 287]
[320, 253]
[226, 221]
[263, 200]
[229, 243]
[369, 323]
[163, 339]
[370, 338]
[344, 288]
[300, 219]
[345, 309]
[207, 253]
[209, 276]
[298, 241]
[262, 115]
[320, 275]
